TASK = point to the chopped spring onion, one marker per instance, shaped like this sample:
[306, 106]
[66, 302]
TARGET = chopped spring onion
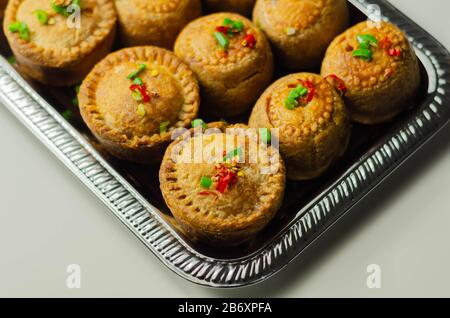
[222, 40]
[163, 127]
[206, 182]
[42, 16]
[135, 73]
[198, 123]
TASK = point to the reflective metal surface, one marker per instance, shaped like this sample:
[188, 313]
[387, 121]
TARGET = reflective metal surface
[131, 191]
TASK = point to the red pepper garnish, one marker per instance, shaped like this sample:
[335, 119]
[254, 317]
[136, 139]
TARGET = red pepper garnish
[340, 83]
[386, 45]
[223, 29]
[394, 52]
[141, 89]
[311, 90]
[225, 178]
[229, 178]
[249, 41]
[208, 193]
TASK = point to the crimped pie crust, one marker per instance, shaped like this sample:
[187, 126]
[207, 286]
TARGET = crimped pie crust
[156, 22]
[108, 109]
[311, 137]
[58, 57]
[300, 30]
[229, 218]
[380, 89]
[230, 83]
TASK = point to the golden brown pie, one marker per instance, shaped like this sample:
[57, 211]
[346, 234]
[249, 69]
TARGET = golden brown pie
[223, 197]
[134, 98]
[313, 123]
[155, 22]
[232, 59]
[51, 46]
[379, 69]
[243, 7]
[300, 30]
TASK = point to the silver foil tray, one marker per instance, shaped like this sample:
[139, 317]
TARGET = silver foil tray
[306, 214]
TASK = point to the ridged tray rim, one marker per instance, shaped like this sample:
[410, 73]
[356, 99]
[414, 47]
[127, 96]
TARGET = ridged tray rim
[311, 222]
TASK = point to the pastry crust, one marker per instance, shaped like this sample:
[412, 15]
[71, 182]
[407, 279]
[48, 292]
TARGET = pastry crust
[243, 7]
[300, 30]
[156, 22]
[227, 218]
[57, 54]
[130, 129]
[379, 89]
[231, 82]
[311, 137]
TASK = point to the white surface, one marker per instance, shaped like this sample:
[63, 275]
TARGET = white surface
[49, 220]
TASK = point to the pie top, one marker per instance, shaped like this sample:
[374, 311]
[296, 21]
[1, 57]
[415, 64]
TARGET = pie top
[252, 191]
[390, 57]
[214, 41]
[57, 40]
[137, 96]
[293, 17]
[320, 107]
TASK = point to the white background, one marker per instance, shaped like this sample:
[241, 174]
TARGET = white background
[49, 220]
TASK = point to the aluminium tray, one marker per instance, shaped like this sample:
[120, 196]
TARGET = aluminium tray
[310, 208]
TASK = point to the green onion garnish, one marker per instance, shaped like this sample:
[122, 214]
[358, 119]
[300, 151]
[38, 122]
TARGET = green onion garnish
[137, 96]
[77, 3]
[265, 135]
[12, 60]
[364, 45]
[14, 27]
[199, 123]
[290, 103]
[42, 16]
[222, 40]
[364, 54]
[227, 21]
[75, 99]
[60, 9]
[296, 93]
[364, 51]
[135, 73]
[163, 127]
[67, 114]
[206, 182]
[234, 153]
[22, 29]
[367, 38]
[237, 25]
[138, 81]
